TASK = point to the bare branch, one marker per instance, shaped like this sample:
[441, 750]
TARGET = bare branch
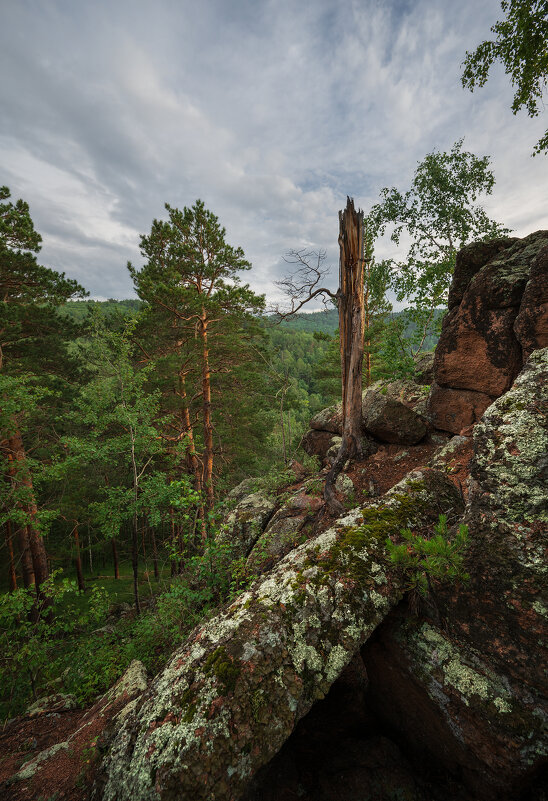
[302, 285]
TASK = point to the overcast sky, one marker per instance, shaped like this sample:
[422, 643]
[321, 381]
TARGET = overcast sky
[270, 111]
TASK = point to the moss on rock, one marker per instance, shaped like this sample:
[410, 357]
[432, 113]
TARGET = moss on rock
[202, 731]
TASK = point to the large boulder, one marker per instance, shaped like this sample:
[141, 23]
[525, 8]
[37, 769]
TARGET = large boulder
[232, 694]
[245, 523]
[318, 443]
[329, 419]
[468, 685]
[478, 350]
[424, 368]
[286, 530]
[394, 412]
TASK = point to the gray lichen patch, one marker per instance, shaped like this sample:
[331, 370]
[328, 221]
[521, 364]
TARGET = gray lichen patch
[29, 768]
[201, 731]
[511, 447]
[464, 686]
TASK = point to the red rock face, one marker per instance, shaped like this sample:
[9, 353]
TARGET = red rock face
[484, 358]
[531, 325]
[453, 409]
[317, 443]
[498, 315]
[465, 677]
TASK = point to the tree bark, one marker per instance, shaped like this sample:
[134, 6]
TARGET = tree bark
[115, 559]
[194, 462]
[208, 427]
[78, 561]
[351, 333]
[9, 543]
[31, 540]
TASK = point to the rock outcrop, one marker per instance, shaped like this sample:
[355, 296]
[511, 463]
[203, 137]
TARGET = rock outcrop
[395, 412]
[392, 412]
[286, 530]
[459, 678]
[233, 693]
[245, 523]
[497, 302]
[478, 683]
[67, 759]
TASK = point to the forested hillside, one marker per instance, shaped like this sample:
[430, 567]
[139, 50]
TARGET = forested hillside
[125, 423]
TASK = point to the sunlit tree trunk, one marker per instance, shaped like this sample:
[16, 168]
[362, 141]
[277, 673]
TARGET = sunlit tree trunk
[208, 427]
[32, 540]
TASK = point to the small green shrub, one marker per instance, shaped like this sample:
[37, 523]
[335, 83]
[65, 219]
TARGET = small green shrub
[424, 560]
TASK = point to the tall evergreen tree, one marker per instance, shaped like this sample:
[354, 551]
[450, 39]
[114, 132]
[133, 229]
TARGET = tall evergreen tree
[191, 282]
[32, 347]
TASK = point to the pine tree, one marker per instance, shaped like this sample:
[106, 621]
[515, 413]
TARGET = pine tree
[32, 351]
[190, 282]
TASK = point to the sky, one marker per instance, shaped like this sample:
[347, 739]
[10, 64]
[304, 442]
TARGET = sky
[270, 111]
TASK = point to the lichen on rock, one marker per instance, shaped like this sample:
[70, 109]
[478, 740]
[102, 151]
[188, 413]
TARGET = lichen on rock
[199, 732]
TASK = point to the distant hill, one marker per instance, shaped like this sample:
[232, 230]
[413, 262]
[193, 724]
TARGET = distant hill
[328, 322]
[78, 309]
[325, 321]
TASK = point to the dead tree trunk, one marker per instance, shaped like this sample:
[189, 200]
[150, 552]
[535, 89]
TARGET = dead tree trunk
[351, 332]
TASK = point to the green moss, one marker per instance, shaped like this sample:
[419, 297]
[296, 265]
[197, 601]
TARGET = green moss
[377, 524]
[225, 670]
[258, 705]
[188, 705]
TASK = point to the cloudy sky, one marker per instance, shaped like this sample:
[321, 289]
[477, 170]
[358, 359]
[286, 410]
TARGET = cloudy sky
[271, 111]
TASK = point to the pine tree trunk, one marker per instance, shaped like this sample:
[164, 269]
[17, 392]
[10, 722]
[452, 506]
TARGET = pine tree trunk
[23, 543]
[135, 563]
[20, 477]
[191, 451]
[115, 559]
[173, 544]
[78, 561]
[189, 433]
[208, 427]
[155, 556]
[9, 543]
[351, 332]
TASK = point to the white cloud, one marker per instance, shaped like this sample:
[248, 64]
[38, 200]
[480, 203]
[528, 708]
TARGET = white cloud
[269, 110]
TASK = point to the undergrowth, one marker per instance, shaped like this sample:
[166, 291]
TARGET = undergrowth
[81, 646]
